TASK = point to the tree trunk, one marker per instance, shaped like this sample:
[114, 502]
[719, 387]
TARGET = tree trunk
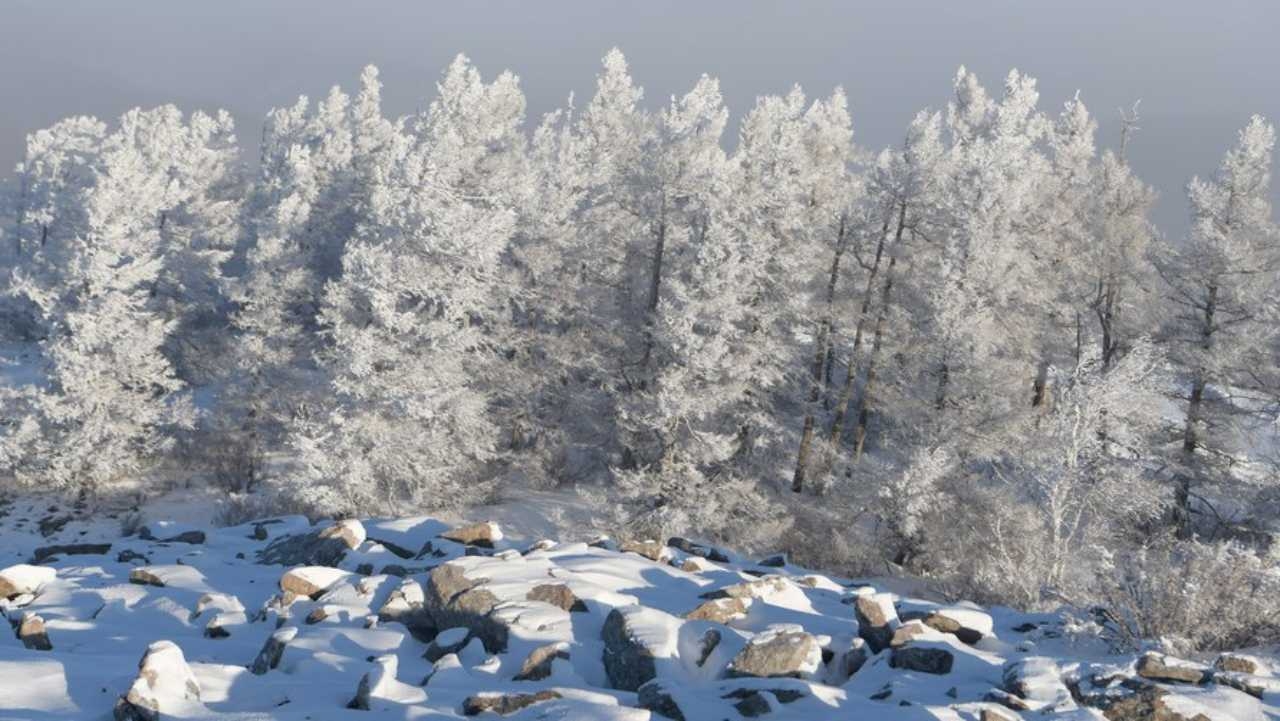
[846, 393]
[655, 284]
[1195, 409]
[822, 347]
[864, 401]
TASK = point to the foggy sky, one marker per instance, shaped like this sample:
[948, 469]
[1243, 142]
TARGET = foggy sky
[1200, 68]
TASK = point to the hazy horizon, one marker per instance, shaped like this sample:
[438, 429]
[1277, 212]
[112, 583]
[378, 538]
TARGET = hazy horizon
[1192, 65]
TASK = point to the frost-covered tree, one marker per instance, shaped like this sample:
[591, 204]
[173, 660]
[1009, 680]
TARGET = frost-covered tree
[418, 312]
[1222, 286]
[110, 396]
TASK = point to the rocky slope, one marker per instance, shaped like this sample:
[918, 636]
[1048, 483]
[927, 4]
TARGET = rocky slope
[414, 619]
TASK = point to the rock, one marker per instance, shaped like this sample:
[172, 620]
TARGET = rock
[405, 606]
[1254, 685]
[169, 532]
[925, 659]
[129, 555]
[450, 640]
[709, 642]
[32, 633]
[777, 560]
[652, 550]
[752, 704]
[146, 576]
[503, 704]
[849, 661]
[317, 615]
[783, 651]
[44, 553]
[720, 610]
[1238, 663]
[758, 588]
[24, 579]
[542, 544]
[1008, 700]
[697, 549]
[633, 637]
[311, 581]
[217, 626]
[537, 665]
[218, 602]
[482, 535]
[558, 595]
[694, 564]
[375, 682]
[350, 531]
[1036, 679]
[656, 697]
[452, 599]
[968, 625]
[164, 680]
[321, 547]
[272, 651]
[995, 714]
[1159, 667]
[908, 632]
[877, 619]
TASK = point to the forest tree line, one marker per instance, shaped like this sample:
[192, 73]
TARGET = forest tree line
[970, 356]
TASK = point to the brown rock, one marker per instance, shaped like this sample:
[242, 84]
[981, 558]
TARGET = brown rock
[32, 633]
[503, 704]
[1159, 667]
[558, 595]
[538, 664]
[652, 550]
[876, 620]
[720, 610]
[482, 535]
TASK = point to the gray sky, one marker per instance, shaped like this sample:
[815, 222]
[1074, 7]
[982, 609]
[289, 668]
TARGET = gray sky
[1201, 68]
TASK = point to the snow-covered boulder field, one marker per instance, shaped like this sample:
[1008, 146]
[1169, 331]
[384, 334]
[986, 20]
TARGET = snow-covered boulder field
[415, 619]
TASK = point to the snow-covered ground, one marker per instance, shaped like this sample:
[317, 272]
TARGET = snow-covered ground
[417, 618]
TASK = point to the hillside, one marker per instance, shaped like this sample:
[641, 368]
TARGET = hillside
[418, 619]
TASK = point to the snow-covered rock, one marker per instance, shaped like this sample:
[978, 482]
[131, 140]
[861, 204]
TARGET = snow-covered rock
[165, 685]
[22, 579]
[779, 652]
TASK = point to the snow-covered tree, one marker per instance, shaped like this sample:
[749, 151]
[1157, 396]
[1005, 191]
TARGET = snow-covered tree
[417, 312]
[1222, 286]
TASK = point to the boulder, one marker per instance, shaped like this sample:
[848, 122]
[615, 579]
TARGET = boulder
[1037, 680]
[877, 619]
[697, 549]
[655, 696]
[634, 636]
[783, 651]
[405, 605]
[453, 599]
[219, 625]
[505, 703]
[968, 625]
[164, 682]
[375, 682]
[720, 610]
[650, 549]
[311, 581]
[1254, 685]
[910, 631]
[1238, 663]
[925, 659]
[217, 602]
[481, 535]
[537, 665]
[777, 560]
[558, 595]
[44, 553]
[31, 632]
[1159, 667]
[272, 651]
[320, 547]
[146, 576]
[850, 660]
[24, 579]
[166, 532]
